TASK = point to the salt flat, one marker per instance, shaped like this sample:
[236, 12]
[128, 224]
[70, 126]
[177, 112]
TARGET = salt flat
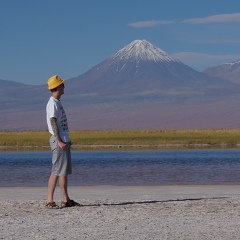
[123, 212]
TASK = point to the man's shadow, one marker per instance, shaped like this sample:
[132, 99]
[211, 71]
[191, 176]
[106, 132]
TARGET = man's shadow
[149, 202]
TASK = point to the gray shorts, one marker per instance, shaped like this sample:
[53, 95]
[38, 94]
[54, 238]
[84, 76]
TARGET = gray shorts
[61, 160]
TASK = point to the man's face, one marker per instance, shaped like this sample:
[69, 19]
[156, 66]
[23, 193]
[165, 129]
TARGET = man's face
[61, 88]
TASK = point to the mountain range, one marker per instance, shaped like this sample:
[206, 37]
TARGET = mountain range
[138, 87]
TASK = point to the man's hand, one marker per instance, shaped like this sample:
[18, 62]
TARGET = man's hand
[62, 145]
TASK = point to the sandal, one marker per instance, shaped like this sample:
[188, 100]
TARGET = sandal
[51, 205]
[70, 203]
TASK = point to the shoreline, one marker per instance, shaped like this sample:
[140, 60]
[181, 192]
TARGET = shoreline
[125, 147]
[124, 192]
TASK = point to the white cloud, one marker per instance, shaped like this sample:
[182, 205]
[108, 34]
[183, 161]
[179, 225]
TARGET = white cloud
[143, 24]
[221, 18]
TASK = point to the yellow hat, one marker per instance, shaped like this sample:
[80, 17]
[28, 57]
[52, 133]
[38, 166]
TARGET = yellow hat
[54, 82]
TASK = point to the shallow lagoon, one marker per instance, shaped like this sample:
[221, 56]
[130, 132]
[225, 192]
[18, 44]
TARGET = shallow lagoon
[154, 167]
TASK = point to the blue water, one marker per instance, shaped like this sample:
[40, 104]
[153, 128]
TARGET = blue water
[126, 167]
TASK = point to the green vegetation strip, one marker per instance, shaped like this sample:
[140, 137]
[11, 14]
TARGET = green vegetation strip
[124, 139]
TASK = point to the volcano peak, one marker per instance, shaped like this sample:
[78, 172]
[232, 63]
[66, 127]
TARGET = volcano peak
[142, 50]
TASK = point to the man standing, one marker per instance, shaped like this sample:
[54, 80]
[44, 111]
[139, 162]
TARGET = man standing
[60, 144]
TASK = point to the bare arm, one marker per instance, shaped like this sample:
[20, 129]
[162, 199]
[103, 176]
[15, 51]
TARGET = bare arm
[61, 144]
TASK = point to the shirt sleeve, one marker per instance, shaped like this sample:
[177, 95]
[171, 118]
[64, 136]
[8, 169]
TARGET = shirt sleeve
[52, 110]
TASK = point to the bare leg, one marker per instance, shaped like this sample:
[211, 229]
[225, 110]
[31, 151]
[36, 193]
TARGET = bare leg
[51, 187]
[63, 183]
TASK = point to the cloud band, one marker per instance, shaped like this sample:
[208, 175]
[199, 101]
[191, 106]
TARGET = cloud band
[221, 18]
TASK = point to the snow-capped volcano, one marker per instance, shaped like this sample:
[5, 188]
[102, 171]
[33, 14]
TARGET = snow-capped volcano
[142, 50]
[141, 67]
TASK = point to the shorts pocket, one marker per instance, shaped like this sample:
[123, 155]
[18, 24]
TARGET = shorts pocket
[53, 143]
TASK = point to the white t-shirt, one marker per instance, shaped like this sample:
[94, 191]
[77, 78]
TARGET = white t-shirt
[55, 109]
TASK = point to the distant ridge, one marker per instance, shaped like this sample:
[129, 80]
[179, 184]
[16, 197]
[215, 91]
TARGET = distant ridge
[230, 71]
[11, 84]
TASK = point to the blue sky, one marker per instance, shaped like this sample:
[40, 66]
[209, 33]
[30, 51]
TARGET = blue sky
[68, 37]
